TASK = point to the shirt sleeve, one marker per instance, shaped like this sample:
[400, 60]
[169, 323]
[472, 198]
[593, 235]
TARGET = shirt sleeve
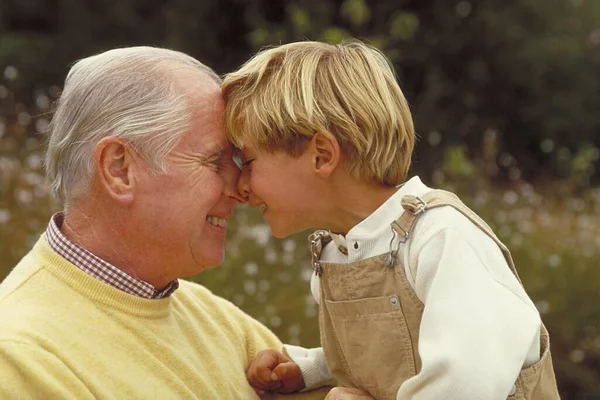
[312, 364]
[478, 324]
[30, 372]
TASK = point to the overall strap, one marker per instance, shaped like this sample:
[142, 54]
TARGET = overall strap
[414, 206]
[317, 241]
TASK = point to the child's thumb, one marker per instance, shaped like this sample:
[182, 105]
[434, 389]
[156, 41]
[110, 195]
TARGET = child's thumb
[281, 371]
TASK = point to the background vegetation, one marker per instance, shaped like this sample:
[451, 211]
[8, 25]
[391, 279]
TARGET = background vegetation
[506, 97]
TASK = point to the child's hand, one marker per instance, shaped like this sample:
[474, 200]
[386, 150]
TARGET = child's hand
[273, 371]
[342, 393]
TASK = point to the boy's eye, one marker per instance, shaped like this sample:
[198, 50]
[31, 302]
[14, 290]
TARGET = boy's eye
[238, 159]
[246, 163]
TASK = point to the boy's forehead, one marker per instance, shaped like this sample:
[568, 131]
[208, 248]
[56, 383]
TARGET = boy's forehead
[244, 150]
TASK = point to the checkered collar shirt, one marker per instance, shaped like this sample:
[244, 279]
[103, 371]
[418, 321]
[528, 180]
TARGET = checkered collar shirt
[99, 268]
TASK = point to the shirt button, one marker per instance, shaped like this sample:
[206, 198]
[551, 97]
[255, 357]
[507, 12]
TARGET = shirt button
[394, 301]
[355, 245]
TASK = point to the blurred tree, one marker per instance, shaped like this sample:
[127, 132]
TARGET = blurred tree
[500, 89]
[467, 67]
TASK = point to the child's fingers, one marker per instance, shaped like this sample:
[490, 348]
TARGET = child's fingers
[261, 380]
[268, 358]
[259, 372]
[265, 376]
[264, 373]
[263, 359]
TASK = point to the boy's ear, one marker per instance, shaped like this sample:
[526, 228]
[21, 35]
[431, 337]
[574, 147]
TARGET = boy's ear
[115, 167]
[326, 154]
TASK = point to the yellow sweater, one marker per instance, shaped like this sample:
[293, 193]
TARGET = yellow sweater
[66, 335]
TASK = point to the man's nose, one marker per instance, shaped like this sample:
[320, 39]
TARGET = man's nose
[243, 185]
[235, 196]
[231, 189]
[230, 175]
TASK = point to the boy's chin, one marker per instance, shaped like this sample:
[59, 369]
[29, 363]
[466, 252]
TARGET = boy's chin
[281, 232]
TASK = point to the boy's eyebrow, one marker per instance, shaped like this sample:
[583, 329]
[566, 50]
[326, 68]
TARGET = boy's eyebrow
[245, 152]
[238, 152]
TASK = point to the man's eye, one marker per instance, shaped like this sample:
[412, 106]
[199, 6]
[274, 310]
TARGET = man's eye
[216, 161]
[218, 164]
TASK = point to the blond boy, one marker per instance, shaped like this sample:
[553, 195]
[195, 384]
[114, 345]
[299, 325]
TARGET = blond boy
[418, 298]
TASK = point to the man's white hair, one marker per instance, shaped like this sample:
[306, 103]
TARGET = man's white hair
[131, 93]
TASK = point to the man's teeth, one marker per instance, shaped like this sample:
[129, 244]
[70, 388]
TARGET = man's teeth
[222, 222]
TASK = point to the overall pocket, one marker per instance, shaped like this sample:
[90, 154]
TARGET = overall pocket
[538, 381]
[375, 342]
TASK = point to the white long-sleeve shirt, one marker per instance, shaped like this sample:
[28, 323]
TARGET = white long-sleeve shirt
[479, 328]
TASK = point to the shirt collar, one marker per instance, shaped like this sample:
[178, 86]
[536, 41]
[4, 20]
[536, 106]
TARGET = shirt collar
[97, 267]
[382, 217]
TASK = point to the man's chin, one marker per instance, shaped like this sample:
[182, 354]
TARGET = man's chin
[207, 262]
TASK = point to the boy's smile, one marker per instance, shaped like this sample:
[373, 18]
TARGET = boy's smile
[282, 187]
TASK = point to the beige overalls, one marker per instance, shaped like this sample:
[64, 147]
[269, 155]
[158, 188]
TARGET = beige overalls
[370, 315]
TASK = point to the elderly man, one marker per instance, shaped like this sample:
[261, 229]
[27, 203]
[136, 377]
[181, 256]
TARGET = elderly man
[138, 155]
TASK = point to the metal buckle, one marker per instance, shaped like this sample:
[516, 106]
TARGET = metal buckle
[422, 207]
[405, 235]
[315, 240]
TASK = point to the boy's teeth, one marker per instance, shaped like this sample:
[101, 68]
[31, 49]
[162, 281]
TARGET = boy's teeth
[222, 222]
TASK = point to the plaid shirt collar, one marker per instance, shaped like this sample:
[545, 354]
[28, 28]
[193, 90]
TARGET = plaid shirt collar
[99, 268]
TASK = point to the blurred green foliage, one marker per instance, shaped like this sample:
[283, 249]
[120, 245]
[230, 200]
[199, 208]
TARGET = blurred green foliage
[527, 70]
[505, 97]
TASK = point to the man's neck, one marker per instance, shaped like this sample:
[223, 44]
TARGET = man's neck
[107, 237]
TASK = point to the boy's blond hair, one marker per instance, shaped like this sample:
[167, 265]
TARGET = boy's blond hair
[284, 95]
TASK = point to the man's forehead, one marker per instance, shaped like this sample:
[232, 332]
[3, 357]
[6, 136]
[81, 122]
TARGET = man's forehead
[208, 129]
[203, 140]
[206, 100]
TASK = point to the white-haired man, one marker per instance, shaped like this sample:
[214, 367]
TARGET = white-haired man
[138, 155]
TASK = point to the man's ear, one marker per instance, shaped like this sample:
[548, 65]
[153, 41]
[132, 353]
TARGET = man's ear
[325, 153]
[115, 167]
